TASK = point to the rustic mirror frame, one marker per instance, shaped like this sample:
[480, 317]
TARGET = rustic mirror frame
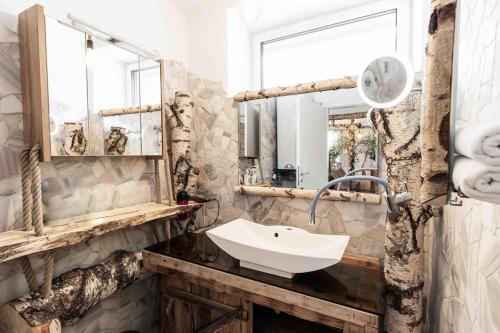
[346, 82]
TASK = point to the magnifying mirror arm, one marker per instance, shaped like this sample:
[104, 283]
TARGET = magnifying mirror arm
[369, 119]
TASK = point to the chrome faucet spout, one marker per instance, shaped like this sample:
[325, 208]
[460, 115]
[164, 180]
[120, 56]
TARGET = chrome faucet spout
[389, 194]
[352, 172]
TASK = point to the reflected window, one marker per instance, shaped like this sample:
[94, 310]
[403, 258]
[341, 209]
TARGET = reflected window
[145, 84]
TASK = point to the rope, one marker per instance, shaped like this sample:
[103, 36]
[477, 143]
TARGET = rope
[28, 273]
[36, 189]
[157, 181]
[26, 188]
[48, 257]
[168, 176]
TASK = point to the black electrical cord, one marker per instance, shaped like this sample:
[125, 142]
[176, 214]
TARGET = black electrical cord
[218, 211]
[193, 222]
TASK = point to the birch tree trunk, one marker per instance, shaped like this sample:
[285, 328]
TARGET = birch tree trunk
[74, 293]
[399, 133]
[437, 102]
[181, 122]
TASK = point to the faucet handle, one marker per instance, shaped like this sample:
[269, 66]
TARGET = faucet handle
[405, 195]
[405, 184]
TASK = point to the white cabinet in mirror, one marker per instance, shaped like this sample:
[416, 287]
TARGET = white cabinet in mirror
[103, 98]
[306, 140]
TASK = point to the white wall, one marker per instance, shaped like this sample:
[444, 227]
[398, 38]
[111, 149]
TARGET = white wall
[156, 24]
[208, 39]
[220, 45]
[206, 36]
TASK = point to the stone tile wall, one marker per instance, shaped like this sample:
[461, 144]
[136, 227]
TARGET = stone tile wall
[215, 152]
[464, 251]
[73, 187]
[76, 186]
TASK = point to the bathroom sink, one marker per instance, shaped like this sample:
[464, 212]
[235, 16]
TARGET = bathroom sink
[278, 250]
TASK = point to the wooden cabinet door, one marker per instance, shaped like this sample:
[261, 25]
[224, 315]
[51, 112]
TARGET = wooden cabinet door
[182, 312]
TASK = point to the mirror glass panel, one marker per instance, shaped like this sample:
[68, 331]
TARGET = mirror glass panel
[306, 140]
[67, 87]
[105, 100]
[150, 99]
[113, 93]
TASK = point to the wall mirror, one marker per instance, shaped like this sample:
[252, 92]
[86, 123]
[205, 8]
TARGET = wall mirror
[302, 141]
[104, 99]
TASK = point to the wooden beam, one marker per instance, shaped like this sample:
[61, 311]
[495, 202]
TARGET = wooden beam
[343, 116]
[358, 260]
[181, 122]
[74, 230]
[33, 57]
[165, 128]
[224, 321]
[300, 305]
[399, 132]
[295, 193]
[334, 84]
[75, 292]
[198, 299]
[436, 107]
[129, 110]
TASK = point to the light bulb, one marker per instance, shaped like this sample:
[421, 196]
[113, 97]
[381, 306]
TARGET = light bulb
[249, 11]
[90, 56]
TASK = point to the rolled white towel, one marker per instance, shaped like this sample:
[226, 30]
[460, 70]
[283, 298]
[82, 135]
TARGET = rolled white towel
[477, 180]
[479, 141]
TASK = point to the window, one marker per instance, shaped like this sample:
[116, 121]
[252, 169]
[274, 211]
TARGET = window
[146, 81]
[332, 46]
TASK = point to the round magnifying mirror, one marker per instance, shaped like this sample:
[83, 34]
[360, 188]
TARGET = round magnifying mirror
[386, 81]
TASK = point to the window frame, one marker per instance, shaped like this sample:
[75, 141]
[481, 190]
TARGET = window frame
[404, 33]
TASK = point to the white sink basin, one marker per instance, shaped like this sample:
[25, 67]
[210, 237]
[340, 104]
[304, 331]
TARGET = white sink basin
[278, 250]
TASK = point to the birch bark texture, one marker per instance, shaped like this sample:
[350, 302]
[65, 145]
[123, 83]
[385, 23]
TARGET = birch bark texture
[399, 133]
[436, 107]
[74, 293]
[181, 122]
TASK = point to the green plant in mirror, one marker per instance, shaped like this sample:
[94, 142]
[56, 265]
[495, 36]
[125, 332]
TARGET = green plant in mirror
[369, 143]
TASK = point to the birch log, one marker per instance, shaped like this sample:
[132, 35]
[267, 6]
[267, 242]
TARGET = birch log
[74, 293]
[436, 105]
[181, 122]
[399, 133]
[334, 84]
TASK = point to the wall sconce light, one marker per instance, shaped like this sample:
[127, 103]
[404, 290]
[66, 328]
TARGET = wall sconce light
[90, 56]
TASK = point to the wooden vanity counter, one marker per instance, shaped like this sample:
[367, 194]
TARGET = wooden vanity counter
[197, 276]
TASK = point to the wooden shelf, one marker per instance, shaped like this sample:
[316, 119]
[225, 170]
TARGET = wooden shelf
[74, 230]
[295, 193]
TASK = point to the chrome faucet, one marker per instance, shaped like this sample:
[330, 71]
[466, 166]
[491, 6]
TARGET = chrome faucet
[393, 200]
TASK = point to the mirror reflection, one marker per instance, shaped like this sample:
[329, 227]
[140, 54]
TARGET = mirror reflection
[103, 98]
[150, 96]
[303, 141]
[112, 94]
[66, 66]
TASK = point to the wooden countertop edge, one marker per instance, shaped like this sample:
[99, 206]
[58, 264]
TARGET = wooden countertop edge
[74, 230]
[157, 262]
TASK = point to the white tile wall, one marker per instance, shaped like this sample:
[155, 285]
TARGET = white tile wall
[464, 294]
